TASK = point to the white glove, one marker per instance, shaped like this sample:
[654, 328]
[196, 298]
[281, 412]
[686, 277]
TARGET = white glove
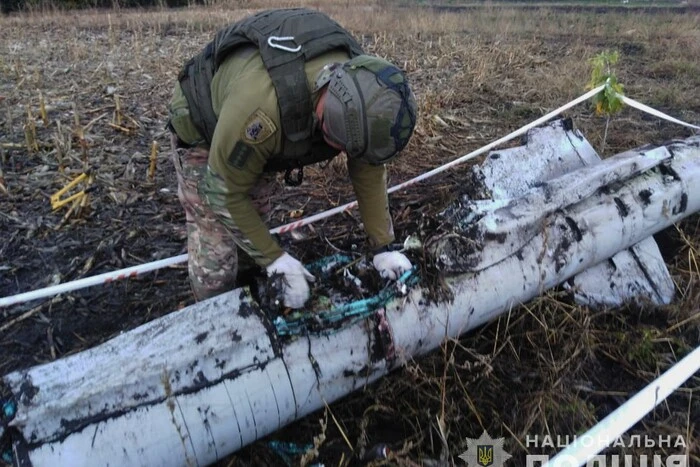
[391, 264]
[296, 287]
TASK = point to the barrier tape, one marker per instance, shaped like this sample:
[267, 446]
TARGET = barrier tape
[104, 278]
[624, 417]
[140, 269]
[654, 112]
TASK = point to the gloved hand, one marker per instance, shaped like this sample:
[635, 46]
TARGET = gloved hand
[296, 278]
[391, 264]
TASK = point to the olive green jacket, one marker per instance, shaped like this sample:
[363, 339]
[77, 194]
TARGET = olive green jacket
[248, 134]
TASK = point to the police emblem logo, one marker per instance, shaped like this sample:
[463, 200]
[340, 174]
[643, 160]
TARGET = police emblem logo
[258, 128]
[485, 452]
[252, 131]
[484, 455]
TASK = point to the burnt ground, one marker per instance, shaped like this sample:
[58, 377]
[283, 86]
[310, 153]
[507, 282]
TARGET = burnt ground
[549, 367]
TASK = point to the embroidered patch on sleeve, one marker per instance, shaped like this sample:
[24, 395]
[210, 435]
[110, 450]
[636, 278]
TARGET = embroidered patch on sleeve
[240, 154]
[258, 128]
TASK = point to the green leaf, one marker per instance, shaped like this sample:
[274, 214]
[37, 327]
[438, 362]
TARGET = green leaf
[608, 101]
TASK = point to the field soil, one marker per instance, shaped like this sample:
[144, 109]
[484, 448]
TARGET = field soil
[87, 93]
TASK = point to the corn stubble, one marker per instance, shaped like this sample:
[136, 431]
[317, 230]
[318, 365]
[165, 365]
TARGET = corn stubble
[547, 367]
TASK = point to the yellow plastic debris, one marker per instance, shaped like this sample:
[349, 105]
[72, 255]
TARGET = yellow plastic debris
[58, 202]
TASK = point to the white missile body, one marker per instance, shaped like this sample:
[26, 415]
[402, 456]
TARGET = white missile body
[200, 383]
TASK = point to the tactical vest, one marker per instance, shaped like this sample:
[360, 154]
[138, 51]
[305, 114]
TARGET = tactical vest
[286, 38]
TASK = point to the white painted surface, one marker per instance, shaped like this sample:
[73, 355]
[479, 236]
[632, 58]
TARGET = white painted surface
[81, 410]
[637, 275]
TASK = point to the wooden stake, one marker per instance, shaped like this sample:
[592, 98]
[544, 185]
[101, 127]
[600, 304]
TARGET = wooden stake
[112, 37]
[60, 148]
[30, 133]
[84, 201]
[42, 109]
[154, 158]
[117, 111]
[80, 133]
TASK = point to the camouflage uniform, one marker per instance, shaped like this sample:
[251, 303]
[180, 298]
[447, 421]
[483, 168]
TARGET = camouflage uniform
[216, 186]
[213, 256]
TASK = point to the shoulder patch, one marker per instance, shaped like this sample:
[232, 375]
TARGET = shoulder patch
[258, 128]
[240, 154]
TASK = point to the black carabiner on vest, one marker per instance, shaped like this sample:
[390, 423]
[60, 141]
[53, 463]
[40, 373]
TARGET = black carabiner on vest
[298, 179]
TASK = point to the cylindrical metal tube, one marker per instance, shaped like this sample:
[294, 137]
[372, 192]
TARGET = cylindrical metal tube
[198, 384]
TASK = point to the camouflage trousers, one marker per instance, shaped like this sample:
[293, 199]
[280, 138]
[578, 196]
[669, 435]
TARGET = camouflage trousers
[213, 254]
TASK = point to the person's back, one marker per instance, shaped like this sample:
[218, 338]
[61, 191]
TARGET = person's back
[253, 103]
[242, 82]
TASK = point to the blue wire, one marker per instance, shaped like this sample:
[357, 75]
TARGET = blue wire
[358, 309]
[9, 408]
[286, 449]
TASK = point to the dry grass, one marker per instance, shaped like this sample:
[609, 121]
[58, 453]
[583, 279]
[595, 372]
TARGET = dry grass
[546, 368]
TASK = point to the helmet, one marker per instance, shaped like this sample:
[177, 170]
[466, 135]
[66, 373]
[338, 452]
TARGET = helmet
[369, 109]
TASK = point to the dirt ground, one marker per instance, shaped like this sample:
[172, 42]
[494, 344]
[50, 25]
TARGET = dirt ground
[547, 368]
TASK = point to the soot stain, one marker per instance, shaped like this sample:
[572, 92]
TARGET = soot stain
[578, 235]
[27, 391]
[622, 208]
[645, 196]
[498, 237]
[200, 337]
[244, 310]
[200, 379]
[683, 206]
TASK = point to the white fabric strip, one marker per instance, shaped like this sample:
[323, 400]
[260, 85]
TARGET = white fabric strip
[654, 112]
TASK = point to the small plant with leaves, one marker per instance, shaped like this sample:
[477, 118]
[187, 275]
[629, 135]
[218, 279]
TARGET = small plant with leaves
[608, 101]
